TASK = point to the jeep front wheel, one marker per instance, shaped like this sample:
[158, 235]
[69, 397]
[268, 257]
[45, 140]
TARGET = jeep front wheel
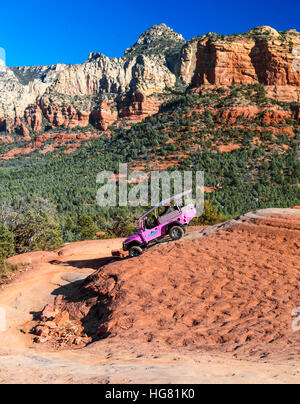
[176, 233]
[135, 251]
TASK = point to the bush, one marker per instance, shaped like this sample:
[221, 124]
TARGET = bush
[7, 249]
[123, 228]
[6, 271]
[37, 232]
[87, 227]
[210, 216]
[7, 246]
[34, 223]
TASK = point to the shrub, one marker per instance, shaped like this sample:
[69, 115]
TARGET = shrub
[6, 250]
[123, 227]
[37, 232]
[210, 216]
[87, 227]
[7, 246]
[34, 223]
[6, 271]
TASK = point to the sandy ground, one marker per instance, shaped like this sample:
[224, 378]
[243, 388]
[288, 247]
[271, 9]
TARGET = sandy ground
[113, 360]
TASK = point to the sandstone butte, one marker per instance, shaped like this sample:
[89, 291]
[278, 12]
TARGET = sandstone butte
[132, 87]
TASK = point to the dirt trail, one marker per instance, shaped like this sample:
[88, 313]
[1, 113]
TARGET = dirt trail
[47, 275]
[127, 358]
[127, 367]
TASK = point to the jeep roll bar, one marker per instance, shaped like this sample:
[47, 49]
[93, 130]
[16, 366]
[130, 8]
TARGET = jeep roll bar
[163, 203]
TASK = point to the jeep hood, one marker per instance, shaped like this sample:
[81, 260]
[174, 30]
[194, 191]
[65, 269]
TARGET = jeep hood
[133, 237]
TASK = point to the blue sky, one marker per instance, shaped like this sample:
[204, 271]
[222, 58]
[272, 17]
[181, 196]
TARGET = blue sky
[34, 32]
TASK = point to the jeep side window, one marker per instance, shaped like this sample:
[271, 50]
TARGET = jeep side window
[150, 223]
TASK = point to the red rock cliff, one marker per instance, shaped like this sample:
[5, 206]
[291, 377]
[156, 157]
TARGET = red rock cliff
[260, 56]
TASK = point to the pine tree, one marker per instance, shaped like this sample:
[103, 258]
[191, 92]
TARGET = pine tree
[7, 247]
[87, 227]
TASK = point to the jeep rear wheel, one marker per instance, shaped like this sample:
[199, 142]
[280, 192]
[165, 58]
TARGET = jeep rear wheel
[135, 251]
[176, 233]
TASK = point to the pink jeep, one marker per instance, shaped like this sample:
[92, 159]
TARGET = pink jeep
[161, 220]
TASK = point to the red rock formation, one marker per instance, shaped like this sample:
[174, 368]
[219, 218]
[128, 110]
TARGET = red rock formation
[2, 124]
[273, 63]
[22, 130]
[283, 93]
[33, 117]
[9, 126]
[138, 107]
[223, 63]
[264, 59]
[271, 117]
[69, 117]
[104, 116]
[237, 300]
[6, 139]
[244, 62]
[65, 116]
[6, 125]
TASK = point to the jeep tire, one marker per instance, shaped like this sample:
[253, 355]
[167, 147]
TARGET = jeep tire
[135, 251]
[176, 233]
